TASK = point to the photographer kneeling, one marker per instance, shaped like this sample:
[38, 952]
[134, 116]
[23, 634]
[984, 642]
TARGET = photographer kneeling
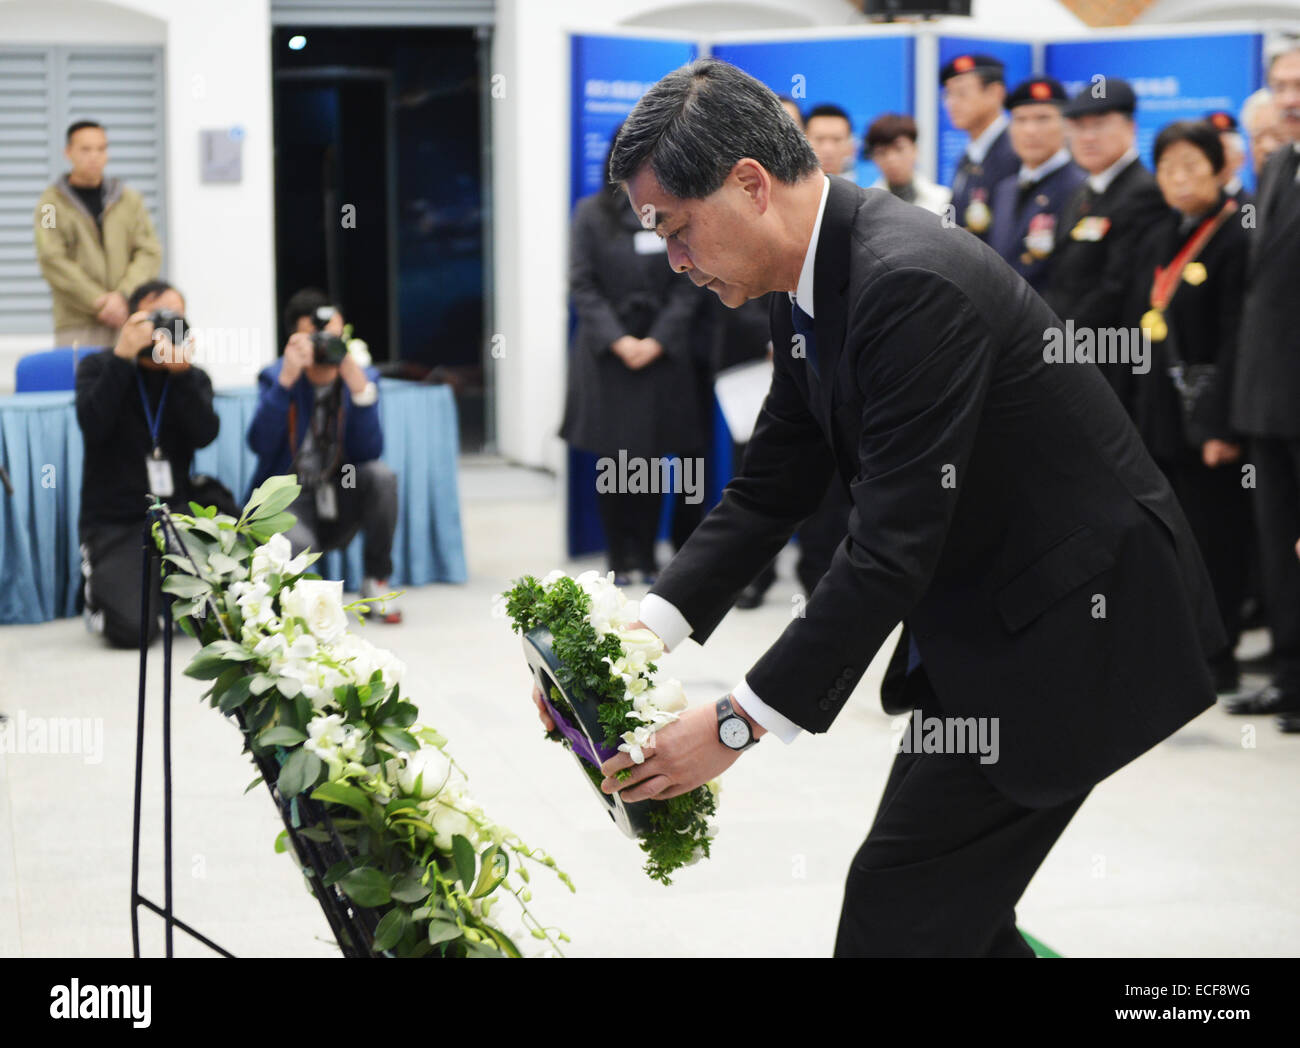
[144, 410]
[318, 417]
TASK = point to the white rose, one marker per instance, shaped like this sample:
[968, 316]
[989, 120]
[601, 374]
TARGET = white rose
[669, 696]
[319, 604]
[429, 768]
[272, 557]
[640, 644]
[446, 823]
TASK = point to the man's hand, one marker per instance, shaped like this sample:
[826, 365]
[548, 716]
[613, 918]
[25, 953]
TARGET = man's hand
[625, 348]
[648, 351]
[352, 373]
[298, 356]
[679, 757]
[112, 309]
[136, 334]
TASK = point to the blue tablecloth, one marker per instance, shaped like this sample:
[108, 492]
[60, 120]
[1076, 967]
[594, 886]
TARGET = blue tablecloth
[40, 446]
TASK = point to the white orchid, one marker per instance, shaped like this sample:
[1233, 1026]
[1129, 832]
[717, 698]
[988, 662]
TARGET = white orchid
[254, 602]
[634, 741]
[276, 558]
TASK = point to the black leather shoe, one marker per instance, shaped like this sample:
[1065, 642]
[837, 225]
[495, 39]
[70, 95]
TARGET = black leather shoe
[1289, 723]
[750, 597]
[1267, 700]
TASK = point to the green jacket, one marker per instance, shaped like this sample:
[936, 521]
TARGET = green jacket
[78, 263]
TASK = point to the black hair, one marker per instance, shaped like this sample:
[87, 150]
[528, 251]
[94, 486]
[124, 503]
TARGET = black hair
[829, 109]
[1199, 133]
[693, 125]
[79, 125]
[146, 290]
[304, 303]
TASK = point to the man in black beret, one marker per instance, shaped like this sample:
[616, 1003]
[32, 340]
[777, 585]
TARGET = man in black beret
[1105, 219]
[1027, 206]
[973, 92]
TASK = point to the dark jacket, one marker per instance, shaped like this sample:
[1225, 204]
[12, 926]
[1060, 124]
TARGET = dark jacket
[616, 291]
[1202, 320]
[1003, 507]
[268, 433]
[1266, 393]
[1092, 279]
[114, 481]
[1039, 205]
[977, 181]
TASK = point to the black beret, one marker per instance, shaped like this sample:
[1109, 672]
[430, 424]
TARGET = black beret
[989, 66]
[1037, 90]
[1116, 97]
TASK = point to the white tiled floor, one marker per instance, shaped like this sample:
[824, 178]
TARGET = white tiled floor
[1191, 850]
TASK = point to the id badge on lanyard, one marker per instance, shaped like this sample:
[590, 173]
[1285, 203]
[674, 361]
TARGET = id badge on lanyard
[157, 468]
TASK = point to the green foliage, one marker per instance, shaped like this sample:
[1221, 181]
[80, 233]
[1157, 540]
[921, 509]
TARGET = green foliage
[679, 825]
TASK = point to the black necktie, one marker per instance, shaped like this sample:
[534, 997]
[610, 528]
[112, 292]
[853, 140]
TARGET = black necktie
[803, 325]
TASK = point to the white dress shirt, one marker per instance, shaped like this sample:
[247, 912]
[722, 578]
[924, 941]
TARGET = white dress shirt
[978, 148]
[1101, 182]
[663, 618]
[1030, 175]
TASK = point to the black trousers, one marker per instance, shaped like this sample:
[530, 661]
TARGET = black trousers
[946, 861]
[369, 506]
[1218, 510]
[1277, 518]
[111, 559]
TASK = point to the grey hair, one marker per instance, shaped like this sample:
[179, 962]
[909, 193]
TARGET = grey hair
[695, 123]
[1252, 105]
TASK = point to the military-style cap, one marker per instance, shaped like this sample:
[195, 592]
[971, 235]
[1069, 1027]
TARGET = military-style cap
[1116, 97]
[1221, 120]
[1036, 91]
[985, 64]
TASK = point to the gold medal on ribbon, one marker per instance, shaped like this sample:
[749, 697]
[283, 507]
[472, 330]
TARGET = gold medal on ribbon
[978, 216]
[1194, 273]
[1153, 323]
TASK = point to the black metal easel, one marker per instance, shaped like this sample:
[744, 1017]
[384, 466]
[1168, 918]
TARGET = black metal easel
[353, 926]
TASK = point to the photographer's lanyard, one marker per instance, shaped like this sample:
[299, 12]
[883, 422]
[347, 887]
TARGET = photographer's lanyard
[157, 468]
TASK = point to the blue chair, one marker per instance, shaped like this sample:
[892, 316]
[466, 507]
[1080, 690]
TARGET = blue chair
[53, 370]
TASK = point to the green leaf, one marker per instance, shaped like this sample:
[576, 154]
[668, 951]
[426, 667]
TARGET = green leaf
[495, 866]
[299, 772]
[313, 834]
[397, 738]
[281, 735]
[263, 529]
[266, 489]
[409, 888]
[466, 861]
[236, 695]
[341, 793]
[392, 926]
[276, 501]
[401, 714]
[261, 684]
[253, 783]
[282, 842]
[183, 585]
[441, 930]
[366, 886]
[213, 660]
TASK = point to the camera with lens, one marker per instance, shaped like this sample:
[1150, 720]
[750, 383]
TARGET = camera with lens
[327, 347]
[169, 324]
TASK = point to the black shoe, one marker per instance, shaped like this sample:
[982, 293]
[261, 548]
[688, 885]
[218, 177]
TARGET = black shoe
[1289, 723]
[1267, 700]
[750, 597]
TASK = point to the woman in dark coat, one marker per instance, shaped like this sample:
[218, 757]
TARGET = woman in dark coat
[634, 381]
[1188, 297]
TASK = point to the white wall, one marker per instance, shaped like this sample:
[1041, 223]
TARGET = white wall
[531, 176]
[221, 247]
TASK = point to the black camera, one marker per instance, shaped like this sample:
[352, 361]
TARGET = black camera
[167, 323]
[327, 348]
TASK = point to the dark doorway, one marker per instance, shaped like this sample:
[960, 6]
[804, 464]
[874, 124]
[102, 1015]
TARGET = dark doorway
[380, 195]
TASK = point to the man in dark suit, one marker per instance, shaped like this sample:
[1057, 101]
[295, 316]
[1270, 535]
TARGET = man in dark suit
[1002, 506]
[974, 90]
[1027, 206]
[1105, 220]
[1266, 396]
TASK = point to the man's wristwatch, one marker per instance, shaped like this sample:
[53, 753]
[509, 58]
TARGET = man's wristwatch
[733, 730]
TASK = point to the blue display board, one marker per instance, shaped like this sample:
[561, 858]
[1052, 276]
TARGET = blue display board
[1174, 77]
[866, 76]
[609, 75]
[1015, 55]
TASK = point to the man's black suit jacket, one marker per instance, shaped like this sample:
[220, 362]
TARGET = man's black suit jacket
[1004, 507]
[1266, 393]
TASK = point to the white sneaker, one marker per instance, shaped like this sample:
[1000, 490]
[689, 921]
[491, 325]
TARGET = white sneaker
[388, 610]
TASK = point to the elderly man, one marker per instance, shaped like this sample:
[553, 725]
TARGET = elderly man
[1002, 507]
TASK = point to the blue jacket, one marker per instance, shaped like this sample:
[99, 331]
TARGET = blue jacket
[1041, 205]
[268, 433]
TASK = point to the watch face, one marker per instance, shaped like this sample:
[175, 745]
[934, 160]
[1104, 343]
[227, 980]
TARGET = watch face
[734, 732]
